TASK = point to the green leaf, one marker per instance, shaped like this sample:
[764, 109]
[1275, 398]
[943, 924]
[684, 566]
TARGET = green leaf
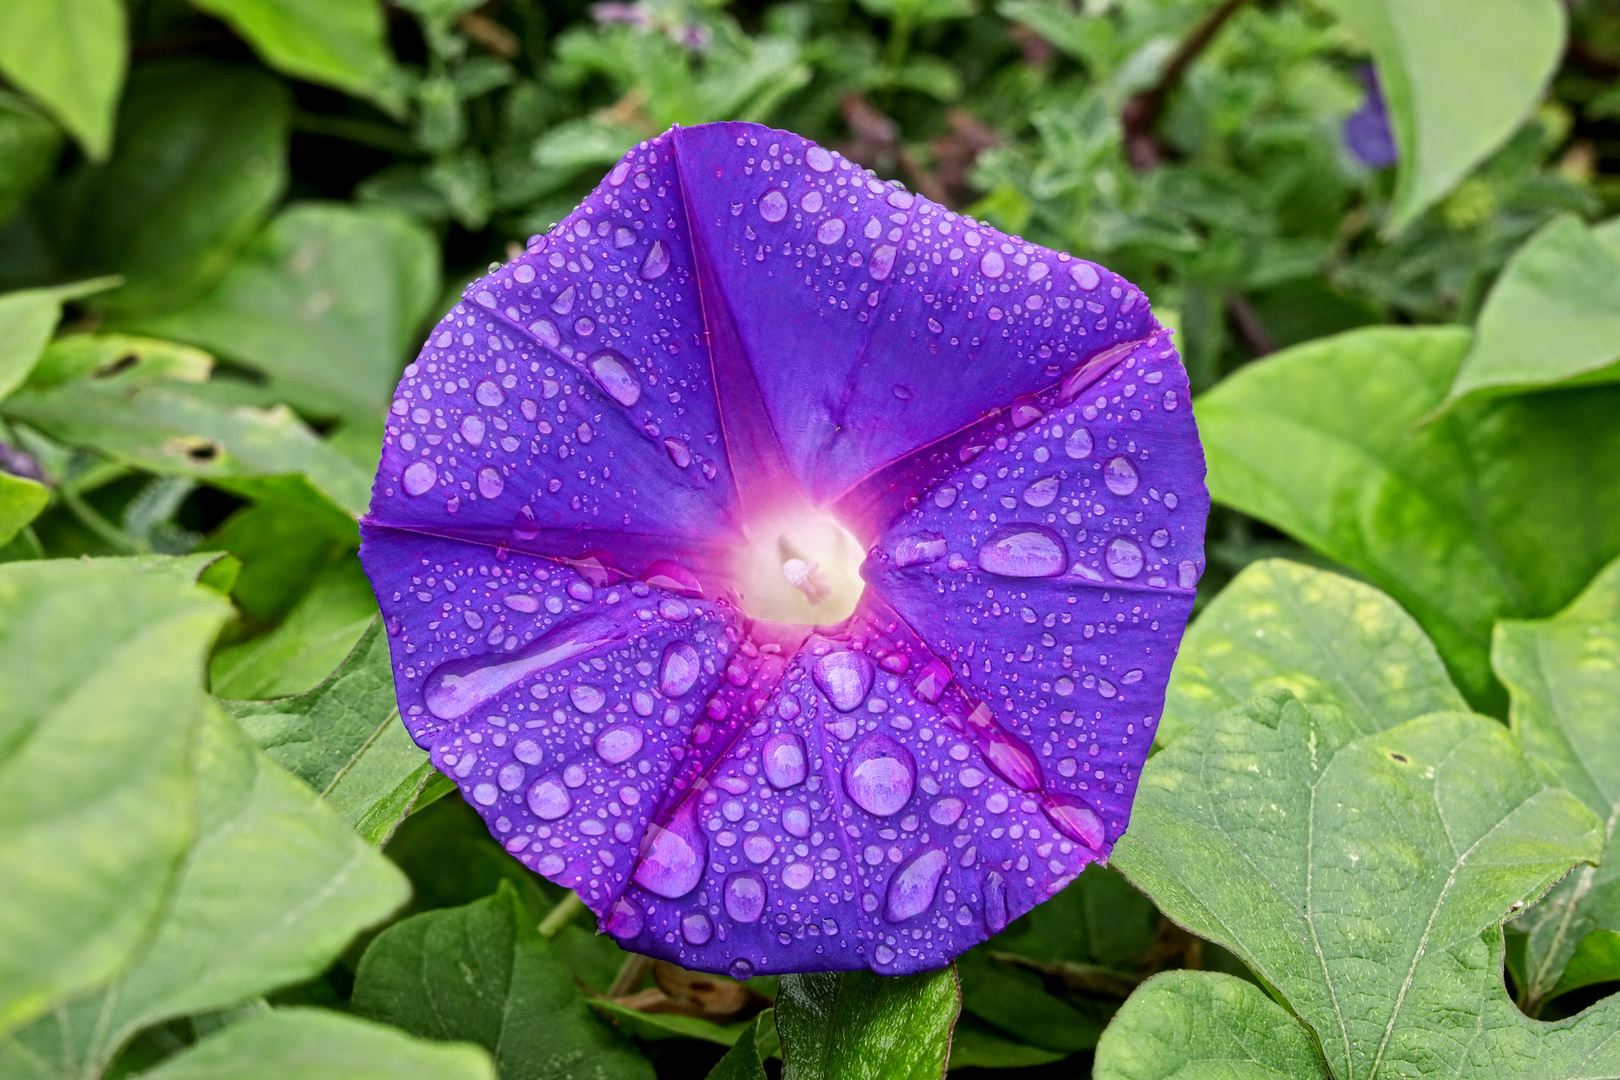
[200, 159]
[316, 1044]
[341, 43]
[1597, 960]
[654, 1027]
[1553, 316]
[132, 361]
[28, 318]
[344, 739]
[283, 549]
[261, 454]
[976, 1045]
[1366, 877]
[1201, 1025]
[308, 645]
[1326, 639]
[29, 147]
[1097, 919]
[1499, 509]
[1014, 999]
[483, 974]
[100, 698]
[327, 301]
[21, 501]
[854, 1024]
[274, 887]
[1563, 674]
[70, 54]
[1459, 77]
[746, 1058]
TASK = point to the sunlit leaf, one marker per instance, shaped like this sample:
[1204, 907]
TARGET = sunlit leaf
[1564, 677]
[28, 317]
[857, 1024]
[29, 147]
[100, 700]
[308, 644]
[21, 501]
[70, 54]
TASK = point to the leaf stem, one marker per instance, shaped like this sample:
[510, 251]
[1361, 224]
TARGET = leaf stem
[561, 915]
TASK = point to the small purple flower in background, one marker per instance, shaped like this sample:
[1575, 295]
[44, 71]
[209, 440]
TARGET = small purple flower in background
[786, 564]
[1366, 131]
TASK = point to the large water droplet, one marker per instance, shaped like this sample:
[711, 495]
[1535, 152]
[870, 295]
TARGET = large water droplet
[680, 669]
[679, 452]
[673, 855]
[656, 263]
[819, 159]
[549, 799]
[1043, 492]
[457, 687]
[991, 264]
[613, 372]
[489, 394]
[1120, 475]
[623, 237]
[1023, 549]
[528, 751]
[796, 820]
[881, 264]
[880, 775]
[932, 681]
[696, 928]
[510, 777]
[1123, 557]
[919, 548]
[830, 231]
[845, 677]
[912, 888]
[745, 896]
[759, 848]
[626, 919]
[798, 875]
[1078, 444]
[564, 301]
[1085, 275]
[784, 759]
[946, 810]
[490, 484]
[586, 698]
[419, 478]
[811, 202]
[773, 206]
[472, 429]
[618, 743]
[1074, 819]
[995, 903]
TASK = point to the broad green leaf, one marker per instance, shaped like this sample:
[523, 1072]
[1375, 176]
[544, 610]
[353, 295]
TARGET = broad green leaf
[1325, 638]
[1201, 1025]
[21, 501]
[344, 739]
[283, 549]
[1014, 998]
[132, 361]
[341, 43]
[327, 300]
[653, 1027]
[1459, 77]
[1597, 960]
[482, 973]
[273, 889]
[1500, 509]
[69, 54]
[1366, 877]
[447, 852]
[1553, 316]
[200, 159]
[855, 1025]
[28, 318]
[1097, 919]
[318, 1044]
[29, 147]
[976, 1045]
[100, 699]
[746, 1058]
[308, 645]
[262, 454]
[1563, 674]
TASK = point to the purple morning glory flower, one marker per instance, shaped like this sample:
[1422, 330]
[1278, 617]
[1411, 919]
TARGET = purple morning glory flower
[786, 564]
[1366, 131]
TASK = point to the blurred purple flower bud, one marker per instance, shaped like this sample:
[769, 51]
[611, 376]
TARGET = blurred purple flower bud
[1366, 131]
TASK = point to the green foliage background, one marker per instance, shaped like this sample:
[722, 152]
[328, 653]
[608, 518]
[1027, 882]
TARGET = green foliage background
[1372, 840]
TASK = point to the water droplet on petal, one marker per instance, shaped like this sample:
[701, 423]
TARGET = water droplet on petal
[759, 848]
[845, 677]
[784, 760]
[811, 202]
[489, 394]
[656, 263]
[546, 331]
[680, 669]
[528, 751]
[1023, 549]
[946, 810]
[745, 896]
[1025, 411]
[773, 206]
[490, 483]
[1043, 492]
[830, 231]
[625, 921]
[880, 775]
[1187, 574]
[991, 264]
[1123, 557]
[1078, 444]
[564, 301]
[914, 885]
[796, 820]
[798, 875]
[456, 687]
[510, 777]
[679, 452]
[1085, 275]
[612, 371]
[586, 698]
[882, 262]
[1159, 538]
[741, 969]
[1074, 819]
[919, 548]
[549, 799]
[932, 681]
[671, 576]
[819, 159]
[1120, 475]
[419, 478]
[673, 856]
[472, 429]
[995, 903]
[696, 928]
[618, 743]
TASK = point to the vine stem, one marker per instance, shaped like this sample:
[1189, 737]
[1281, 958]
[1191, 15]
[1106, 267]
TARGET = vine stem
[1141, 113]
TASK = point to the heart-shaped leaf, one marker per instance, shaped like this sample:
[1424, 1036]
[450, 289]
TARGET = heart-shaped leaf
[859, 1024]
[71, 55]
